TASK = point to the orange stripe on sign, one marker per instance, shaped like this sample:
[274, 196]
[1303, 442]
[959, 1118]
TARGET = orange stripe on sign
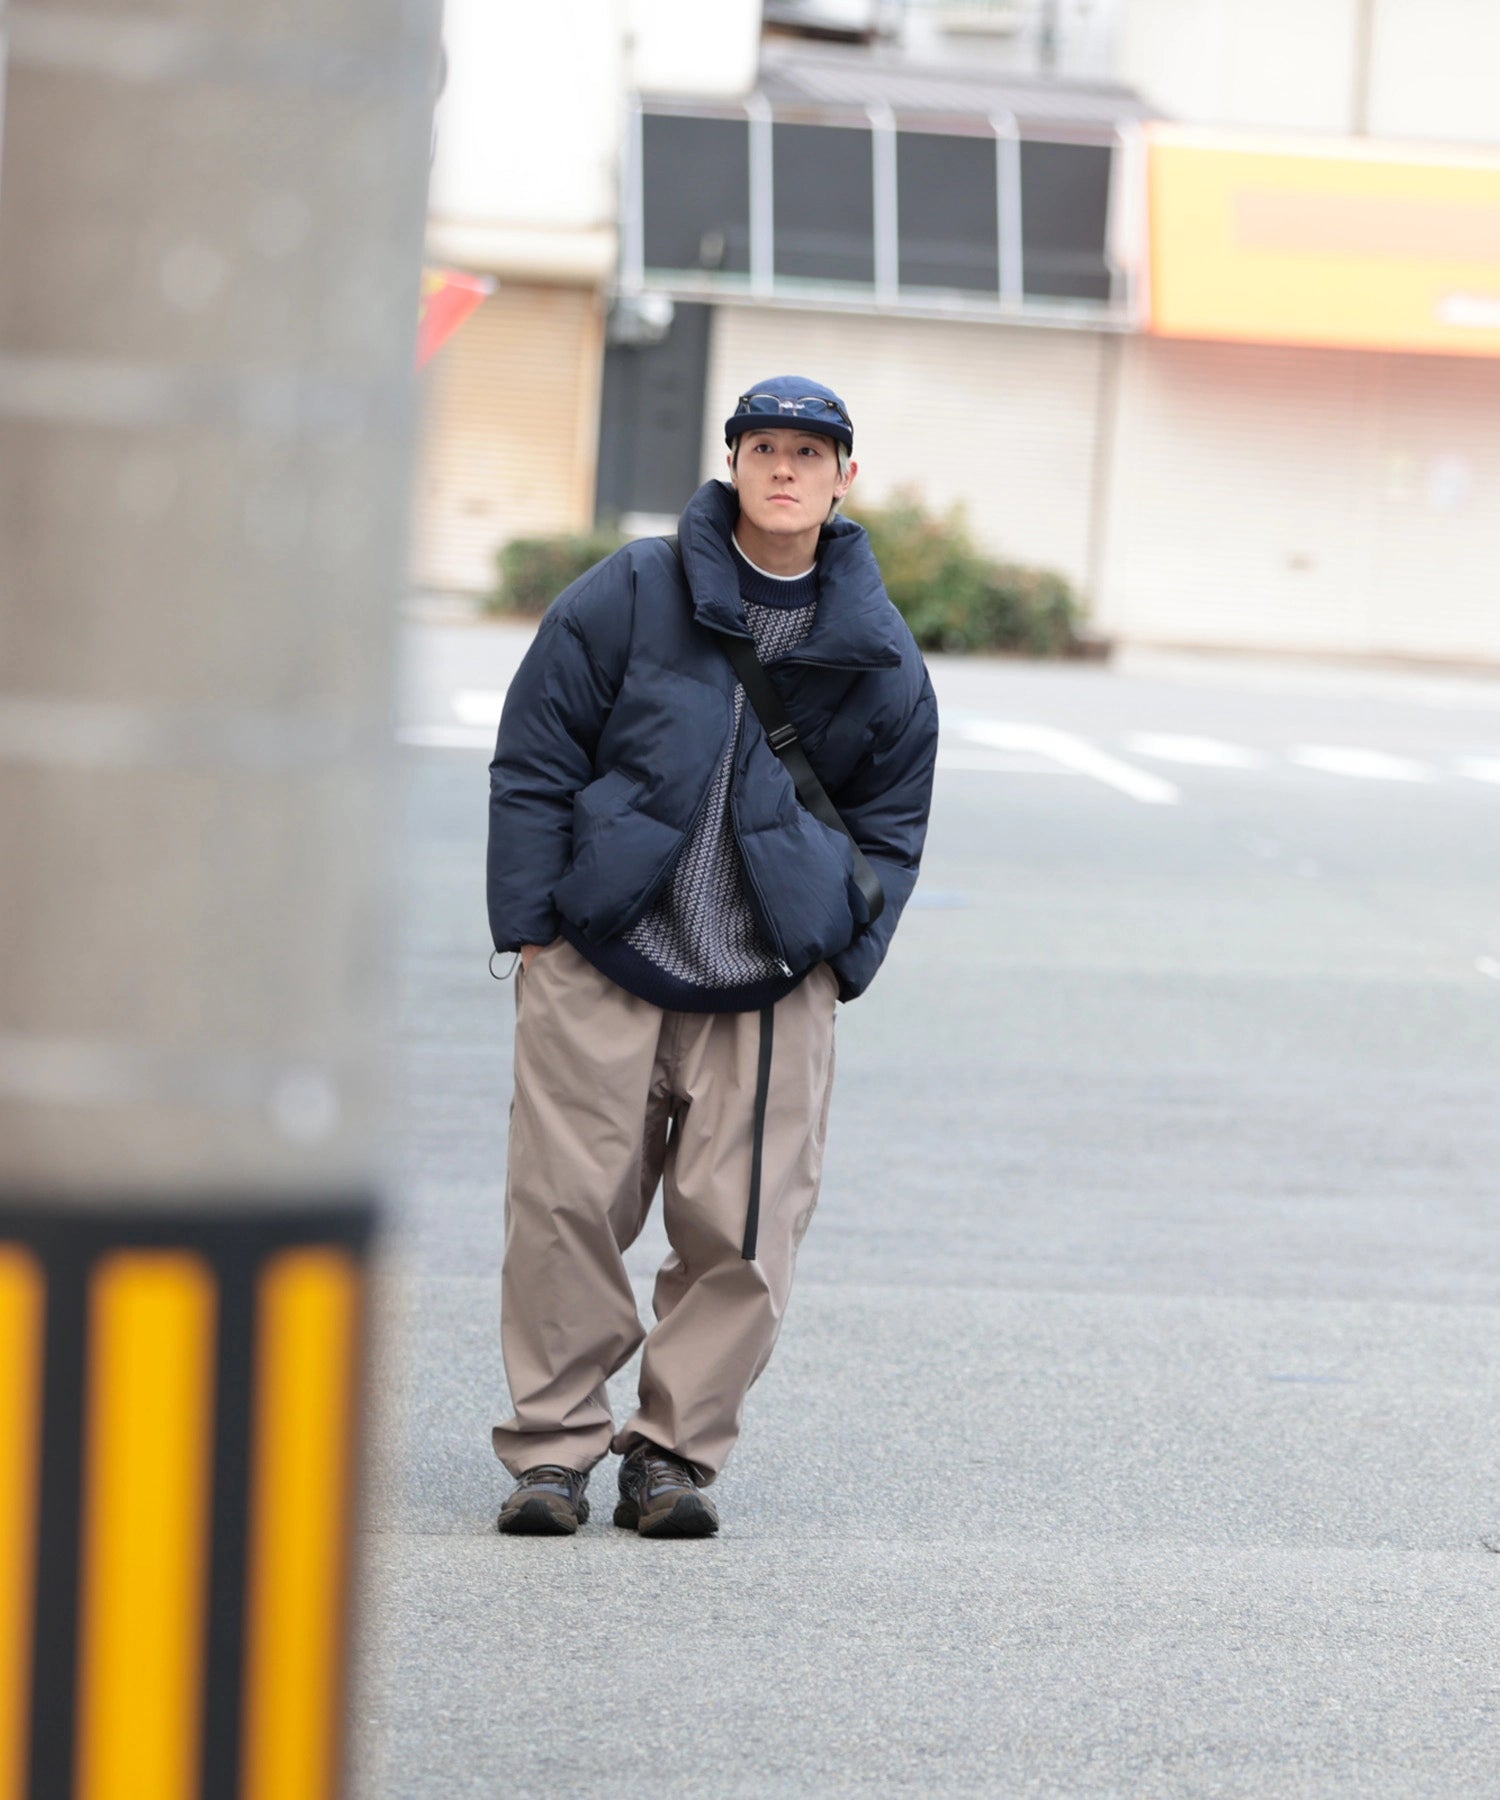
[307, 1333]
[22, 1306]
[146, 1510]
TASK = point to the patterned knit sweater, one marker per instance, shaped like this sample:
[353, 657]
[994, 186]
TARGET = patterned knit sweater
[698, 947]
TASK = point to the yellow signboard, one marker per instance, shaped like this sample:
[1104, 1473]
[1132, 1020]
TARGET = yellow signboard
[1333, 242]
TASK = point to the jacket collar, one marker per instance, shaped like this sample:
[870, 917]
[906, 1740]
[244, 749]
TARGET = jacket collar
[855, 626]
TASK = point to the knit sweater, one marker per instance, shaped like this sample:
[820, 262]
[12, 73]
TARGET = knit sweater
[699, 947]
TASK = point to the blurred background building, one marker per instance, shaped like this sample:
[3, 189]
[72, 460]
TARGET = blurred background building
[1197, 301]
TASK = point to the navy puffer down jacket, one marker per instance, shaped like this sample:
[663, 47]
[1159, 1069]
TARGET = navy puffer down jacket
[623, 708]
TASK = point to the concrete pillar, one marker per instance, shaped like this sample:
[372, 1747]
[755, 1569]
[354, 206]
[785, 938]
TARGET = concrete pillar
[210, 246]
[209, 259]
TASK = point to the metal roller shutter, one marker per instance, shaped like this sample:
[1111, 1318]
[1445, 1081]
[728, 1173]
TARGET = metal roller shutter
[1314, 500]
[509, 432]
[999, 418]
[1435, 567]
[1232, 507]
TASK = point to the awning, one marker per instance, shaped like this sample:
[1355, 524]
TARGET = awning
[853, 80]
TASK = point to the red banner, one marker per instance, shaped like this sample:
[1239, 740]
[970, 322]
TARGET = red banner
[448, 297]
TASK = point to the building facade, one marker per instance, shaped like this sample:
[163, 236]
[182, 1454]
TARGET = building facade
[1232, 376]
[1302, 450]
[525, 188]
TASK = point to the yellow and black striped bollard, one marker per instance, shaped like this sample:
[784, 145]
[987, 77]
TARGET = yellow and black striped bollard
[178, 1405]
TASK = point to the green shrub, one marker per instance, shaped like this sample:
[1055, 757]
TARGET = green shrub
[1034, 611]
[956, 597]
[534, 571]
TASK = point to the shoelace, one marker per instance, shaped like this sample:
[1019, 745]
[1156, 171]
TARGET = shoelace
[550, 1475]
[662, 1470]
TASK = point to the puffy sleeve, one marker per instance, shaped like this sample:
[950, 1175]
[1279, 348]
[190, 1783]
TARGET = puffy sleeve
[544, 753]
[885, 805]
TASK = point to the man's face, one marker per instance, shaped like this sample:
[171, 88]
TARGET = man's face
[787, 480]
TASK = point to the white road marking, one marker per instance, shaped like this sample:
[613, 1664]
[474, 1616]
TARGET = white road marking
[978, 761]
[1074, 753]
[1005, 747]
[1488, 965]
[1360, 765]
[966, 761]
[478, 706]
[1205, 753]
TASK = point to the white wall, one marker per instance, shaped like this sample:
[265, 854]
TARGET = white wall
[1435, 70]
[689, 47]
[1287, 64]
[525, 176]
[529, 123]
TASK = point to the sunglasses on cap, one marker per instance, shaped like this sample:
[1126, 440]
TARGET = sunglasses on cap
[809, 406]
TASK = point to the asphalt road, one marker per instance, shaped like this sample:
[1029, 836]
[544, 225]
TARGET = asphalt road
[1136, 1426]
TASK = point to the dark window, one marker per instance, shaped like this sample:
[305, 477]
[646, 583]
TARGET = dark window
[697, 193]
[825, 203]
[948, 236]
[696, 181]
[1064, 212]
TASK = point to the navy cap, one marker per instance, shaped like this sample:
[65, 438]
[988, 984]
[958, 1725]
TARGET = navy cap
[791, 401]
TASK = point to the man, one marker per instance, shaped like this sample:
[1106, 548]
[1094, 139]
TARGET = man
[685, 925]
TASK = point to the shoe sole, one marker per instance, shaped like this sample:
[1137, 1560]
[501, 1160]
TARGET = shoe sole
[539, 1519]
[687, 1517]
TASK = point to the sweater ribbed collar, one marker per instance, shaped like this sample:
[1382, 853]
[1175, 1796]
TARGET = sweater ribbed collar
[759, 587]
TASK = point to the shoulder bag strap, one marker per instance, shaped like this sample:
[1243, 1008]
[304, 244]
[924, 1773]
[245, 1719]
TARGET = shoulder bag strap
[781, 734]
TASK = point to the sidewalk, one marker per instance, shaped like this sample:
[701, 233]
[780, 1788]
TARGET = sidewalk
[1446, 686]
[1414, 683]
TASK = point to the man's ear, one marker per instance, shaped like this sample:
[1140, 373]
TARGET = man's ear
[853, 471]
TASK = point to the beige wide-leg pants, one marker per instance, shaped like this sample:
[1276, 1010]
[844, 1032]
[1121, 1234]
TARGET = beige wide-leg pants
[612, 1096]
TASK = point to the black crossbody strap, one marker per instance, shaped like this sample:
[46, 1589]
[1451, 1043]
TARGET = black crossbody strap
[781, 734]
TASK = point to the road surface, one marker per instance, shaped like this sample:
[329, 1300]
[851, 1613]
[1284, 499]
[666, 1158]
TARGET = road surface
[1135, 1430]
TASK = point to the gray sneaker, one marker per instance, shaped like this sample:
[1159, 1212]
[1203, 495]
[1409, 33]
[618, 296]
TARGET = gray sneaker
[659, 1497]
[547, 1501]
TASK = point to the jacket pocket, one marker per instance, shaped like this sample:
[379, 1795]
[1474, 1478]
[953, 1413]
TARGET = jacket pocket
[619, 853]
[804, 874]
